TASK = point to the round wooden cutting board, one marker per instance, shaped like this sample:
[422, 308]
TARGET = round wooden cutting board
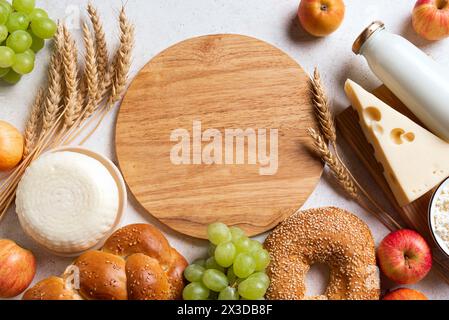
[180, 149]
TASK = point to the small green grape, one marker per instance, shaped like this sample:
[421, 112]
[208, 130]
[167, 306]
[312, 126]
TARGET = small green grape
[255, 246]
[3, 33]
[4, 14]
[212, 264]
[31, 54]
[7, 6]
[262, 259]
[7, 57]
[23, 63]
[37, 43]
[38, 13]
[232, 278]
[211, 250]
[200, 262]
[25, 6]
[229, 294]
[4, 71]
[237, 233]
[242, 245]
[252, 289]
[195, 291]
[12, 77]
[218, 233]
[225, 254]
[44, 28]
[244, 265]
[215, 280]
[194, 273]
[19, 41]
[17, 21]
[262, 277]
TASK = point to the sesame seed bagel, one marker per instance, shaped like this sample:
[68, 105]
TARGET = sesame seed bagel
[328, 236]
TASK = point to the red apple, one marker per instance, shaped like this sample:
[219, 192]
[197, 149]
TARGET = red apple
[321, 17]
[405, 294]
[405, 257]
[17, 269]
[431, 19]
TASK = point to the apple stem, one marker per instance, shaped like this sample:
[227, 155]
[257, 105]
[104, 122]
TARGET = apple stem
[324, 7]
[442, 4]
[407, 261]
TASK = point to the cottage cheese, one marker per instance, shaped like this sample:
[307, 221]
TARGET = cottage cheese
[440, 216]
[67, 202]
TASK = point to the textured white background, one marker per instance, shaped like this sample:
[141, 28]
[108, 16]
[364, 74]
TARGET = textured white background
[161, 23]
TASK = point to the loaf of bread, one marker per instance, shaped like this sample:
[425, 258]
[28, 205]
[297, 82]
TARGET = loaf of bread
[136, 263]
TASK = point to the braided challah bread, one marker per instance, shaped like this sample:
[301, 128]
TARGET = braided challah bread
[136, 263]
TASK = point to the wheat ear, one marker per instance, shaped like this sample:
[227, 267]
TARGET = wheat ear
[122, 59]
[345, 180]
[338, 170]
[32, 127]
[322, 108]
[54, 90]
[101, 47]
[70, 65]
[91, 97]
[91, 74]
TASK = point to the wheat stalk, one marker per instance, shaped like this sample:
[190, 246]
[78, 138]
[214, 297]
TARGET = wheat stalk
[101, 47]
[122, 59]
[338, 170]
[32, 127]
[55, 88]
[91, 74]
[70, 65]
[322, 108]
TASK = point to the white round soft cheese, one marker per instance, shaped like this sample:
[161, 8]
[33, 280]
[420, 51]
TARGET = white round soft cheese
[67, 201]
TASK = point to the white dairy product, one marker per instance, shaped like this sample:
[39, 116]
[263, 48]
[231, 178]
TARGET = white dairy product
[414, 77]
[414, 160]
[440, 216]
[67, 201]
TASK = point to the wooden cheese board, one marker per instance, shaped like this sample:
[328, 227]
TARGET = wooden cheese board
[415, 215]
[218, 82]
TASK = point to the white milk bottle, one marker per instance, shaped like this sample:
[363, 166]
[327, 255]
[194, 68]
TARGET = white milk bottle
[414, 77]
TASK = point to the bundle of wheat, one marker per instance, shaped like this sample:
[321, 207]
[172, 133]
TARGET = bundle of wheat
[73, 104]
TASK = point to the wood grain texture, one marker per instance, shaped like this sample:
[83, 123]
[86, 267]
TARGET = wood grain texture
[226, 82]
[415, 215]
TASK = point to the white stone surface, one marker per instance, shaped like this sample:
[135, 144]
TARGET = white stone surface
[161, 23]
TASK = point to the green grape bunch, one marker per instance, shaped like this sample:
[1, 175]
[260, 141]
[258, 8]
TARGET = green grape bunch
[234, 269]
[23, 31]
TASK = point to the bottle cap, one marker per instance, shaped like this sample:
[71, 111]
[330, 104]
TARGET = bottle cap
[366, 34]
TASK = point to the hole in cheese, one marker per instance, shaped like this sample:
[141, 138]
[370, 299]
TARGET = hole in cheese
[399, 136]
[410, 137]
[372, 114]
[396, 136]
[378, 129]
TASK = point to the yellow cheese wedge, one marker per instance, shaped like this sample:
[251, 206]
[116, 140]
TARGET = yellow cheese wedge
[414, 159]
